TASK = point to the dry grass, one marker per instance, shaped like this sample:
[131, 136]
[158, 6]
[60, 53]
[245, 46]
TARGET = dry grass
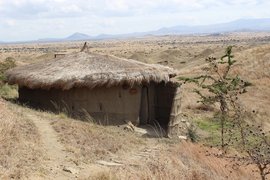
[142, 158]
[19, 142]
[104, 175]
[181, 161]
[90, 142]
[86, 143]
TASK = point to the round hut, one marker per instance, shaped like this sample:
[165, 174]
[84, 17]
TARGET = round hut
[108, 89]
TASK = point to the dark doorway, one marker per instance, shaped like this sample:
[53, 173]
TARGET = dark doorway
[164, 102]
[144, 110]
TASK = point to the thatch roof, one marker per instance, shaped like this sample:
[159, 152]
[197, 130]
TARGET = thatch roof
[86, 69]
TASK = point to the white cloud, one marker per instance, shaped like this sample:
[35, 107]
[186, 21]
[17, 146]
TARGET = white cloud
[53, 8]
[45, 18]
[10, 22]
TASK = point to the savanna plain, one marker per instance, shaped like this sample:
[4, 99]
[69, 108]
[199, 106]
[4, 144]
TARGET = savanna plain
[35, 144]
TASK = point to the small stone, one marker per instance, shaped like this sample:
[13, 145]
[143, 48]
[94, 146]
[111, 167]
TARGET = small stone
[188, 124]
[105, 163]
[70, 170]
[182, 137]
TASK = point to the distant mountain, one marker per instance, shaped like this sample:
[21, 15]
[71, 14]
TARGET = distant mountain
[242, 25]
[250, 25]
[78, 36]
[74, 37]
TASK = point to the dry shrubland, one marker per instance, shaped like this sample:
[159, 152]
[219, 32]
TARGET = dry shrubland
[142, 158]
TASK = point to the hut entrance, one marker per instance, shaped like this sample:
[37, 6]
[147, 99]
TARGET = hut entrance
[160, 107]
[166, 100]
[144, 110]
[157, 104]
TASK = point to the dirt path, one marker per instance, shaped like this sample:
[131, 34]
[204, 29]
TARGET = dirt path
[57, 164]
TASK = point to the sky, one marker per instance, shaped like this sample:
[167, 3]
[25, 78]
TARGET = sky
[22, 20]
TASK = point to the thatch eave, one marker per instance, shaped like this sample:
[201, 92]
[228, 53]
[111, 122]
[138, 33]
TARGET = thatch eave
[88, 70]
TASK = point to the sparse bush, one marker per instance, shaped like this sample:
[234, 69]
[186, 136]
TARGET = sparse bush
[6, 90]
[192, 133]
[253, 143]
[4, 66]
[218, 86]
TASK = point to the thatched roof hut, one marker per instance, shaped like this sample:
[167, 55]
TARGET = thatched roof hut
[89, 70]
[112, 90]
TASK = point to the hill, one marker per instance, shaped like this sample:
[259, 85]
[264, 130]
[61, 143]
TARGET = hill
[78, 36]
[242, 25]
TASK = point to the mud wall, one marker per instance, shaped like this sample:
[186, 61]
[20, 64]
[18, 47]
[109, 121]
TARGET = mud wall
[107, 106]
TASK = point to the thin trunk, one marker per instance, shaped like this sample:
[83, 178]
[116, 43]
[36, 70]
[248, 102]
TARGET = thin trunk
[262, 173]
[242, 130]
[222, 132]
[260, 167]
[223, 107]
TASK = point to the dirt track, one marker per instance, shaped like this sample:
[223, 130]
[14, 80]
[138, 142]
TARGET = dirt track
[57, 159]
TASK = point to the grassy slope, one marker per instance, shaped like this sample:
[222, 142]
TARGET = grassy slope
[19, 144]
[142, 158]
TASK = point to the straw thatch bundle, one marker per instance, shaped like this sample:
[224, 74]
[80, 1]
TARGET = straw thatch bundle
[86, 69]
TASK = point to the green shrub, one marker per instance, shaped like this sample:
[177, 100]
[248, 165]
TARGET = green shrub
[4, 66]
[7, 91]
